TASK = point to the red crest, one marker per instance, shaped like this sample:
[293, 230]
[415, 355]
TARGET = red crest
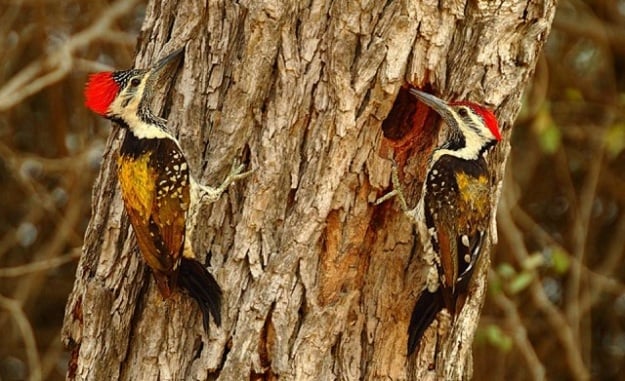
[100, 91]
[487, 115]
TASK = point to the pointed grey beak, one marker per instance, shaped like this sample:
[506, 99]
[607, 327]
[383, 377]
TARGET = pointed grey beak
[164, 62]
[440, 106]
[160, 75]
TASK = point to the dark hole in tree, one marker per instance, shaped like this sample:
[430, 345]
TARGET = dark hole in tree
[401, 118]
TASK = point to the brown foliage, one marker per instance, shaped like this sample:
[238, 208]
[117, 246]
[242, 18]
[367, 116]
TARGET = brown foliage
[50, 151]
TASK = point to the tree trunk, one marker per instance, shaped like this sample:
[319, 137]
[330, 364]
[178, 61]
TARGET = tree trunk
[318, 282]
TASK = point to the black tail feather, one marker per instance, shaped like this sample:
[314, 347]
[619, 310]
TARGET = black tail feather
[202, 287]
[424, 312]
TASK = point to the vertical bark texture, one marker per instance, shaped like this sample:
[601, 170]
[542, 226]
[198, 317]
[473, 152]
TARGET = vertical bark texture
[318, 282]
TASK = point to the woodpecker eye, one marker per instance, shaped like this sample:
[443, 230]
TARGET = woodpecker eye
[135, 82]
[463, 112]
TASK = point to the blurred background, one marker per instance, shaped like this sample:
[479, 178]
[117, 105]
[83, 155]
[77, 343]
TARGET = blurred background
[50, 152]
[556, 304]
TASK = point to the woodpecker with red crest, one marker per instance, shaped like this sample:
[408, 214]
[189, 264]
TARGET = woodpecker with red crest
[453, 214]
[160, 196]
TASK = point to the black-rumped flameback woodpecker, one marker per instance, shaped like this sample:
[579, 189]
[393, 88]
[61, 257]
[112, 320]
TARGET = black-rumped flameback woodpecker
[453, 214]
[160, 196]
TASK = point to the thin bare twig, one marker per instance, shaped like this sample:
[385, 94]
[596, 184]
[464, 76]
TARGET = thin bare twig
[38, 193]
[43, 265]
[16, 311]
[559, 324]
[581, 228]
[601, 277]
[519, 333]
[601, 32]
[56, 66]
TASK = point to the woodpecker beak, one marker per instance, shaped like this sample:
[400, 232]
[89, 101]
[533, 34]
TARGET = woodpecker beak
[164, 69]
[164, 62]
[440, 106]
[160, 75]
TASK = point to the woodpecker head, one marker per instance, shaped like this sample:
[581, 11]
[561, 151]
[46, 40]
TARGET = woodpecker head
[473, 129]
[120, 94]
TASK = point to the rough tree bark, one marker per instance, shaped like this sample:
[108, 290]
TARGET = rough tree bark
[318, 282]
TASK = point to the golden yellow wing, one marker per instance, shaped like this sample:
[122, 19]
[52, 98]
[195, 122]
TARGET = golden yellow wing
[157, 211]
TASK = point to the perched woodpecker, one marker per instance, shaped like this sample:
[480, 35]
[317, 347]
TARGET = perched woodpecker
[453, 214]
[160, 197]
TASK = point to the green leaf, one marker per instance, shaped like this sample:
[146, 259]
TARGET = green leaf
[548, 133]
[550, 139]
[520, 282]
[505, 270]
[533, 262]
[615, 140]
[573, 94]
[561, 261]
[498, 338]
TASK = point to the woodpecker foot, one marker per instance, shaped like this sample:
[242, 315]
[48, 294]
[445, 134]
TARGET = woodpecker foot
[211, 194]
[236, 173]
[396, 192]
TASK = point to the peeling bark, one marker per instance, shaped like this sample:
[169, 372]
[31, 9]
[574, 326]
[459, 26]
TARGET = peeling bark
[318, 282]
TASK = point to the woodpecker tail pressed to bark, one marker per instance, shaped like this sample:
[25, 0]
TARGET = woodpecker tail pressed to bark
[160, 196]
[453, 214]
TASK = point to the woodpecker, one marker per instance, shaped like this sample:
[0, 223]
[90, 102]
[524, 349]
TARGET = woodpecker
[160, 196]
[453, 213]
